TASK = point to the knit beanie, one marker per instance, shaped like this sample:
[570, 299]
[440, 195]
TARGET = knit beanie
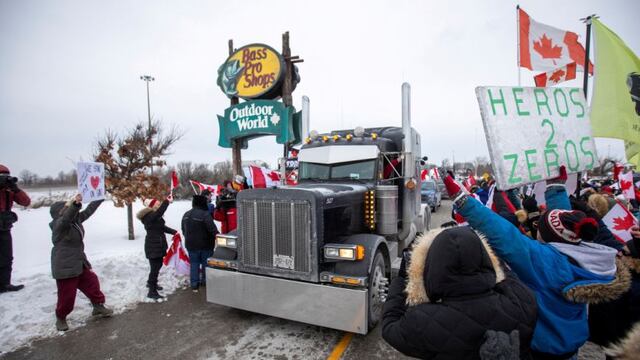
[150, 203]
[4, 169]
[567, 226]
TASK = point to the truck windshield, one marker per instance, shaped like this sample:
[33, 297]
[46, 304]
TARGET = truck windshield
[359, 170]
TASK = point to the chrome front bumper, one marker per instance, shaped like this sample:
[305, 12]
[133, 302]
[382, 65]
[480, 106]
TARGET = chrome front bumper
[322, 305]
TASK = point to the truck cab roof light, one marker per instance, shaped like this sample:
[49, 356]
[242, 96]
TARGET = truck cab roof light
[374, 136]
[349, 137]
[325, 138]
[336, 137]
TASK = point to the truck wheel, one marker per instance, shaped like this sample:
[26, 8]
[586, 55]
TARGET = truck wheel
[378, 288]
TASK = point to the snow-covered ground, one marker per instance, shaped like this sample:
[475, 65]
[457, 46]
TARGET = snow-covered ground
[119, 263]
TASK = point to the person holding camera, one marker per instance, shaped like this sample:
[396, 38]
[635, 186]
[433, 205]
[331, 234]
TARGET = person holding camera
[9, 193]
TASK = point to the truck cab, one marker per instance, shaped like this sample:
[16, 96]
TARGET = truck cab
[322, 252]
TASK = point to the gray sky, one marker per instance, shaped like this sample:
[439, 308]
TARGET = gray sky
[70, 69]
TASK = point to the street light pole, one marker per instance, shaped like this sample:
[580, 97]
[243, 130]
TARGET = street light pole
[147, 79]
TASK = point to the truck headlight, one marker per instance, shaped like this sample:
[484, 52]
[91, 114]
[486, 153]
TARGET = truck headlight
[227, 241]
[344, 252]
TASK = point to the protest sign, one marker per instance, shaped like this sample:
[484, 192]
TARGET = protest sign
[531, 132]
[91, 181]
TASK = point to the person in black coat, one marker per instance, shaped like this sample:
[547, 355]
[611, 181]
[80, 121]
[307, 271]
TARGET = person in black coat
[458, 302]
[155, 242]
[199, 232]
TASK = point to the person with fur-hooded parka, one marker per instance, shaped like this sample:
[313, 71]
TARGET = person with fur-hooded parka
[155, 242]
[454, 296]
[564, 272]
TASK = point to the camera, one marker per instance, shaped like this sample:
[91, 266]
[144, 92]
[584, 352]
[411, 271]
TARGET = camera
[7, 180]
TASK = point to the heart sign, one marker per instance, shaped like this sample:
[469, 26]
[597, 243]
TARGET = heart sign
[95, 181]
[91, 181]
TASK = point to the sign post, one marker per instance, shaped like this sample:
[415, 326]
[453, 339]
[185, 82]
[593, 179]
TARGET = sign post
[531, 132]
[256, 73]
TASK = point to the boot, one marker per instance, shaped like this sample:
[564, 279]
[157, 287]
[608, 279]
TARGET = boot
[158, 287]
[9, 287]
[153, 293]
[61, 324]
[101, 311]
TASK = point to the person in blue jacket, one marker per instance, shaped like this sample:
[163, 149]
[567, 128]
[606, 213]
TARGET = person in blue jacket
[564, 272]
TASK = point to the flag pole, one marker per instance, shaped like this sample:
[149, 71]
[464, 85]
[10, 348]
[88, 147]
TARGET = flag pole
[587, 46]
[518, 41]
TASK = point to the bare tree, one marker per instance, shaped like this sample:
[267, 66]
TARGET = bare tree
[127, 160]
[28, 178]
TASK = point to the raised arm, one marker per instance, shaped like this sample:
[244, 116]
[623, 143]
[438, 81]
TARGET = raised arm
[91, 208]
[69, 212]
[21, 197]
[158, 213]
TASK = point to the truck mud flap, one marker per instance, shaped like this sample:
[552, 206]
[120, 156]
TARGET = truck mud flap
[322, 305]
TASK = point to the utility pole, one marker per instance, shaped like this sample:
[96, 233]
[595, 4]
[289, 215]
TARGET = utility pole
[147, 79]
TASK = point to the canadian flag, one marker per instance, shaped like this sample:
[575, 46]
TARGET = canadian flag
[625, 181]
[260, 177]
[174, 180]
[554, 77]
[619, 220]
[470, 182]
[215, 189]
[424, 174]
[434, 173]
[177, 257]
[544, 47]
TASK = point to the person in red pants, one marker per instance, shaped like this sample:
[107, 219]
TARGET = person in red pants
[69, 264]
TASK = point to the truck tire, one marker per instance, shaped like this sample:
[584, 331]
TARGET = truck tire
[378, 288]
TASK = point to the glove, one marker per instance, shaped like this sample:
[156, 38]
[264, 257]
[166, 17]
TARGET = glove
[530, 204]
[170, 198]
[406, 257]
[561, 179]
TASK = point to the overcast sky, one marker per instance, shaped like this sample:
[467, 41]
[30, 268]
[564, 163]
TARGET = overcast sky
[70, 69]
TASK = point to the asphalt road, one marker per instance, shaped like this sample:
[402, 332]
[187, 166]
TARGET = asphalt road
[188, 327]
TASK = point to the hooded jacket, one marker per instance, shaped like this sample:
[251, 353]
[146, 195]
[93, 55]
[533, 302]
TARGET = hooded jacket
[561, 286]
[456, 291]
[198, 227]
[155, 242]
[67, 256]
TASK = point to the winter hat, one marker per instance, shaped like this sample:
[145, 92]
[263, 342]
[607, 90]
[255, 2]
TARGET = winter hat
[150, 203]
[205, 192]
[4, 169]
[567, 226]
[634, 248]
[598, 203]
[238, 179]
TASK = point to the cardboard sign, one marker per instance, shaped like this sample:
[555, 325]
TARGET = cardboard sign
[531, 132]
[91, 181]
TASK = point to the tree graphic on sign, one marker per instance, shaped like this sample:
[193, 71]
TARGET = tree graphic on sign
[546, 49]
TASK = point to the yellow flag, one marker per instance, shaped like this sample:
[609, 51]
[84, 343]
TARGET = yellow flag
[615, 107]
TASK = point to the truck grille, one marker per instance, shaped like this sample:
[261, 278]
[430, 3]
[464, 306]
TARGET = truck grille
[275, 236]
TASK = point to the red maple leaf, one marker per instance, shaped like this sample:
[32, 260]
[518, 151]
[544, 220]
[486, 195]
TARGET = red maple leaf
[625, 185]
[557, 76]
[546, 49]
[274, 176]
[623, 223]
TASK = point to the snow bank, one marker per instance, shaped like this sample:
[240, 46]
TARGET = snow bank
[119, 263]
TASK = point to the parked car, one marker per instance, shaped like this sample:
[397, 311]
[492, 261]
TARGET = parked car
[442, 189]
[430, 194]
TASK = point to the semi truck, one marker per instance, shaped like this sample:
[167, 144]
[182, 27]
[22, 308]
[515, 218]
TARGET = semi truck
[323, 252]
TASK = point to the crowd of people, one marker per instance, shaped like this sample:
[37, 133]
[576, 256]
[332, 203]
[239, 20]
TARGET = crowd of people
[508, 279]
[517, 280]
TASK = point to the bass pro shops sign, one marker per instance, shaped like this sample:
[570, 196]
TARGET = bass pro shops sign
[254, 71]
[257, 118]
